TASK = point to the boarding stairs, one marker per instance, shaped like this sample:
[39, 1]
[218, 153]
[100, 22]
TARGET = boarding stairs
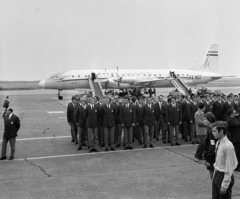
[96, 87]
[179, 84]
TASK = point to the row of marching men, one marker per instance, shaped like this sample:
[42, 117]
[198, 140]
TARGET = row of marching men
[113, 122]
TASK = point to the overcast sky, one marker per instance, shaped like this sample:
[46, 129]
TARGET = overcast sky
[41, 37]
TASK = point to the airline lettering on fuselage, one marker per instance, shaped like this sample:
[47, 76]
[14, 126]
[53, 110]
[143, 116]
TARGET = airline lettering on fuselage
[195, 76]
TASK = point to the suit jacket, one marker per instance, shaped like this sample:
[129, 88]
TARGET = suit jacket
[80, 116]
[148, 115]
[225, 108]
[193, 110]
[217, 110]
[158, 111]
[139, 114]
[71, 112]
[127, 115]
[164, 112]
[174, 114]
[186, 114]
[201, 123]
[234, 130]
[117, 118]
[92, 116]
[11, 126]
[108, 116]
[236, 106]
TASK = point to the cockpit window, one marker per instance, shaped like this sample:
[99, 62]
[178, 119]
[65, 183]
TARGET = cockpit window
[54, 76]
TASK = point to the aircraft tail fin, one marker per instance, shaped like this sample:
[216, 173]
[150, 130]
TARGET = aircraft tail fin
[210, 60]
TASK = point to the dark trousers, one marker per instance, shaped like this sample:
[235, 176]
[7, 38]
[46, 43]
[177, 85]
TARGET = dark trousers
[128, 134]
[4, 146]
[174, 131]
[140, 131]
[237, 150]
[186, 128]
[108, 137]
[216, 186]
[193, 132]
[92, 137]
[165, 132]
[148, 133]
[81, 136]
[200, 148]
[74, 131]
[118, 133]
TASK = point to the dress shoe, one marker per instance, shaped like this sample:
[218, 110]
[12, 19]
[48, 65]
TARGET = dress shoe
[106, 149]
[130, 147]
[177, 144]
[76, 143]
[125, 148]
[164, 142]
[11, 158]
[197, 142]
[112, 148]
[3, 158]
[193, 142]
[151, 145]
[102, 145]
[95, 150]
[196, 159]
[169, 141]
[79, 148]
[172, 144]
[144, 146]
[73, 141]
[118, 145]
[91, 150]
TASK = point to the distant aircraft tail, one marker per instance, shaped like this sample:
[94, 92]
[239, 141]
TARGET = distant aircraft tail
[210, 61]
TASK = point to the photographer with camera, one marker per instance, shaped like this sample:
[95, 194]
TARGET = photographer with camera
[234, 133]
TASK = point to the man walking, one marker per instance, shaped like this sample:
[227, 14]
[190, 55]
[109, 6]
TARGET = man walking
[11, 127]
[226, 162]
[71, 120]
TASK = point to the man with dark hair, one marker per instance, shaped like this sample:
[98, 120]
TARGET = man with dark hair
[217, 108]
[234, 133]
[236, 104]
[226, 162]
[71, 108]
[11, 127]
[201, 131]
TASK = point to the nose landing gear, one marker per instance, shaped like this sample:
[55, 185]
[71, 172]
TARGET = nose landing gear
[59, 95]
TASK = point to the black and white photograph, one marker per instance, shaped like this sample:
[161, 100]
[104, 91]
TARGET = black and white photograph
[120, 99]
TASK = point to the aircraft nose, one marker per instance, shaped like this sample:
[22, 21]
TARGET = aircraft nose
[42, 84]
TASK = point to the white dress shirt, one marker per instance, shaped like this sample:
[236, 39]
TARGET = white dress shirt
[226, 160]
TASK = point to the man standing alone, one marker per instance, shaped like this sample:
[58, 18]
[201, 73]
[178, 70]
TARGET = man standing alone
[11, 127]
[226, 162]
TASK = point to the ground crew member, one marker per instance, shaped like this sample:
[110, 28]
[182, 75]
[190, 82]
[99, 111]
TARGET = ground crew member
[71, 119]
[148, 121]
[226, 162]
[128, 120]
[108, 113]
[92, 117]
[11, 127]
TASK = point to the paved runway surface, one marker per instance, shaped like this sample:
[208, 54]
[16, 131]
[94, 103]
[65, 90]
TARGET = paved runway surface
[47, 164]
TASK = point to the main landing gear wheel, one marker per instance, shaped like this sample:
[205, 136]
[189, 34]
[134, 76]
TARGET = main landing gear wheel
[59, 95]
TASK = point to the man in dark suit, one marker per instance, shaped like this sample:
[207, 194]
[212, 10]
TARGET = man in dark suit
[234, 133]
[148, 121]
[71, 120]
[164, 125]
[80, 120]
[217, 108]
[100, 104]
[174, 118]
[236, 104]
[226, 106]
[193, 110]
[118, 128]
[108, 114]
[6, 105]
[92, 117]
[186, 117]
[11, 127]
[128, 120]
[139, 120]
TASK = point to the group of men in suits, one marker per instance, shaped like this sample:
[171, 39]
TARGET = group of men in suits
[119, 121]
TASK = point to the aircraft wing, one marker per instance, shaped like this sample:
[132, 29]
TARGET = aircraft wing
[147, 81]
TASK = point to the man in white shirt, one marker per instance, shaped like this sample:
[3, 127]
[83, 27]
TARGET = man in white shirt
[226, 162]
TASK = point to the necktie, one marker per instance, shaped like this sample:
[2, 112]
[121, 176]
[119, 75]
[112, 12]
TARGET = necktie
[217, 148]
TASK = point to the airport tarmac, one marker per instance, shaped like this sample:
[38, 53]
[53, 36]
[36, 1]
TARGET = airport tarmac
[47, 164]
